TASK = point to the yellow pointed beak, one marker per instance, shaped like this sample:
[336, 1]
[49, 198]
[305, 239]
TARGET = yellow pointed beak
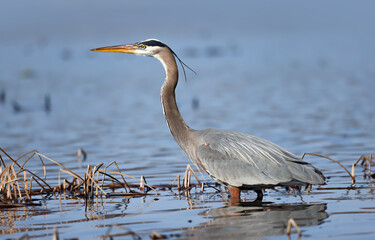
[127, 48]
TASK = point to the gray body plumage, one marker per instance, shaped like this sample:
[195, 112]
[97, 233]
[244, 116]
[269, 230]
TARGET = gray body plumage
[245, 161]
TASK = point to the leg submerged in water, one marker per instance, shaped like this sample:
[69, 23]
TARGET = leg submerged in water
[259, 195]
[234, 193]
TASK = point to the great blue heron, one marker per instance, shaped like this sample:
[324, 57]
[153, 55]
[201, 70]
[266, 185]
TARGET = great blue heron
[238, 160]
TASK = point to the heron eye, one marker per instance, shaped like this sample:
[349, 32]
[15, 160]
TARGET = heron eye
[143, 46]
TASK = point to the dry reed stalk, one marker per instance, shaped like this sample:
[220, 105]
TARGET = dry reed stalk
[113, 184]
[86, 182]
[142, 186]
[25, 181]
[34, 152]
[372, 157]
[97, 189]
[21, 168]
[6, 184]
[73, 184]
[132, 178]
[364, 160]
[85, 185]
[37, 177]
[93, 182]
[126, 184]
[9, 184]
[185, 179]
[65, 184]
[15, 161]
[97, 177]
[6, 154]
[67, 169]
[2, 177]
[292, 223]
[333, 160]
[174, 180]
[25, 187]
[2, 162]
[179, 185]
[369, 174]
[59, 177]
[95, 171]
[78, 185]
[42, 187]
[193, 172]
[189, 178]
[31, 183]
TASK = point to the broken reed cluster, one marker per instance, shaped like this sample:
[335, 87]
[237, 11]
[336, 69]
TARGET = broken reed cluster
[18, 184]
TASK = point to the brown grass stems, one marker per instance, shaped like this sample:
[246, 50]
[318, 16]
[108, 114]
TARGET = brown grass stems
[362, 160]
[18, 184]
[333, 160]
[118, 169]
[187, 186]
[17, 188]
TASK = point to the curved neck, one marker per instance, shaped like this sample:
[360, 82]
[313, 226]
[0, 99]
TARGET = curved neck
[176, 124]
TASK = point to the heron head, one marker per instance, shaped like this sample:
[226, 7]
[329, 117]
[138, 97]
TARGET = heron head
[149, 47]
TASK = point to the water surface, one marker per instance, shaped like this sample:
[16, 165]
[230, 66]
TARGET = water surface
[306, 84]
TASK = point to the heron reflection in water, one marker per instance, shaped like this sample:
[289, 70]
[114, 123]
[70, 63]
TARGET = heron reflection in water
[255, 222]
[238, 160]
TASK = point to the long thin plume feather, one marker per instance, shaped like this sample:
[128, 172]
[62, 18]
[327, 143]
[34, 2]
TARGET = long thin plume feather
[183, 64]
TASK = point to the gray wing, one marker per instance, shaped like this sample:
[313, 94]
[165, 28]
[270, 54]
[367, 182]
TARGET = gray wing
[240, 159]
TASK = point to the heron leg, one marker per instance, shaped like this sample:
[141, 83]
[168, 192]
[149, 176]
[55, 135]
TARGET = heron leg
[234, 193]
[259, 195]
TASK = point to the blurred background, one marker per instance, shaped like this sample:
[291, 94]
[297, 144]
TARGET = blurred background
[298, 73]
[291, 71]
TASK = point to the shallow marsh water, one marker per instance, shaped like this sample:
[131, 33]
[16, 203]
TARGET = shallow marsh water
[307, 91]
